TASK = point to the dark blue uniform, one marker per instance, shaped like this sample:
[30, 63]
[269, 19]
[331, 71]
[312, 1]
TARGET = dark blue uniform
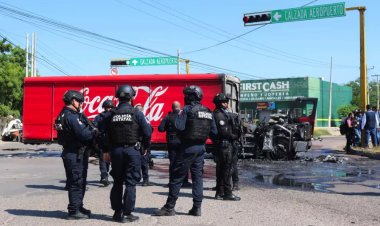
[190, 156]
[172, 139]
[103, 165]
[74, 136]
[226, 155]
[124, 127]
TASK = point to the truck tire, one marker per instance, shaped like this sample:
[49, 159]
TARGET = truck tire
[280, 152]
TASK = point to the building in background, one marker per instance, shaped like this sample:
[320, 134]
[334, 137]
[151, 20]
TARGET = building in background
[259, 98]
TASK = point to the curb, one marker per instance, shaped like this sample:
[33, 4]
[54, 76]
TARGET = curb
[366, 153]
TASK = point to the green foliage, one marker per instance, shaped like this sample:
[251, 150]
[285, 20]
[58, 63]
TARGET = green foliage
[12, 70]
[5, 110]
[344, 110]
[355, 85]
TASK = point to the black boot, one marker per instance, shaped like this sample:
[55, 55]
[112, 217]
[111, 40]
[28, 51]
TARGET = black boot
[105, 182]
[77, 215]
[146, 183]
[118, 216]
[195, 211]
[130, 217]
[231, 197]
[85, 211]
[164, 212]
[219, 196]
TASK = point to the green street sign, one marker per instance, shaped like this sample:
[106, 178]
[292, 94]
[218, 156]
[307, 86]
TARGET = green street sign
[295, 14]
[152, 61]
[308, 13]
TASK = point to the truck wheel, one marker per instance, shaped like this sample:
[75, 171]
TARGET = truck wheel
[280, 152]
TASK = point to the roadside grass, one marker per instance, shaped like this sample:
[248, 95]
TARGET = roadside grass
[321, 132]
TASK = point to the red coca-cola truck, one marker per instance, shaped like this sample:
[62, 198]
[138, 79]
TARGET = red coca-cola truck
[43, 98]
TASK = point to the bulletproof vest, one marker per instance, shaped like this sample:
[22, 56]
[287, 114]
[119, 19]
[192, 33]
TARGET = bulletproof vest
[370, 122]
[198, 125]
[124, 128]
[224, 124]
[62, 130]
[65, 136]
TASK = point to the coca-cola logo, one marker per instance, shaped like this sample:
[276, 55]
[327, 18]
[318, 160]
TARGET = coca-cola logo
[147, 97]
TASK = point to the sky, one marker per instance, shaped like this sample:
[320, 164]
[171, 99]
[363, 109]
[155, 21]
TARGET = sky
[200, 30]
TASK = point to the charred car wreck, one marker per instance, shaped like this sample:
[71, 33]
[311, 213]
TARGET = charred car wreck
[283, 134]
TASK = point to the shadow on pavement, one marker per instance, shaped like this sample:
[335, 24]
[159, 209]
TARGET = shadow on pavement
[38, 213]
[43, 186]
[53, 214]
[181, 194]
[148, 211]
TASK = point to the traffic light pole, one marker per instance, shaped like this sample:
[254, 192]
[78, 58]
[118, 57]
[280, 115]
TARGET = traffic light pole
[363, 63]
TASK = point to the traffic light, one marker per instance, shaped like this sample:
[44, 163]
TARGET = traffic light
[119, 62]
[257, 18]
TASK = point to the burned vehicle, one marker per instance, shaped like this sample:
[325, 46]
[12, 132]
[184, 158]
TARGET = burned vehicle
[282, 135]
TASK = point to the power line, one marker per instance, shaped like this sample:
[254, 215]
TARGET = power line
[18, 14]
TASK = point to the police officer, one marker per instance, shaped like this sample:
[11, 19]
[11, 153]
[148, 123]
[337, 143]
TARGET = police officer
[168, 125]
[125, 125]
[227, 135]
[103, 165]
[196, 124]
[74, 134]
[145, 157]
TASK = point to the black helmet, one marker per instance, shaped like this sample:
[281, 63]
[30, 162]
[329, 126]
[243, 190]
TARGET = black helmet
[125, 92]
[193, 90]
[107, 104]
[73, 94]
[220, 98]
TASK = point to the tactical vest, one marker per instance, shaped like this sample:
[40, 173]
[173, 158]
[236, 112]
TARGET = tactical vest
[124, 129]
[224, 124]
[198, 125]
[65, 136]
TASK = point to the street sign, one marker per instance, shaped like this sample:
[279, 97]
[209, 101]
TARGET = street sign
[152, 61]
[296, 14]
[309, 13]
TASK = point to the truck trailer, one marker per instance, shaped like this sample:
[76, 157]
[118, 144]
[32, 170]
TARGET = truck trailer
[155, 92]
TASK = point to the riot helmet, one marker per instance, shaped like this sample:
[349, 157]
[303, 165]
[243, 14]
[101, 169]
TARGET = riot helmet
[73, 94]
[125, 92]
[107, 104]
[194, 91]
[220, 98]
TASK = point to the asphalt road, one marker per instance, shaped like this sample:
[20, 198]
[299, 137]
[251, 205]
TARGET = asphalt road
[32, 181]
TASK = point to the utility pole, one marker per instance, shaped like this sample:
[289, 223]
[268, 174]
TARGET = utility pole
[179, 63]
[377, 86]
[330, 98]
[363, 71]
[27, 56]
[34, 55]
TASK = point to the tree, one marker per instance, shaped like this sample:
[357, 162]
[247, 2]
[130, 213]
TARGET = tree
[372, 90]
[344, 110]
[12, 70]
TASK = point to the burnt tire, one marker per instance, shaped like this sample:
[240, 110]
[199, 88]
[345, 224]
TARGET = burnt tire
[280, 152]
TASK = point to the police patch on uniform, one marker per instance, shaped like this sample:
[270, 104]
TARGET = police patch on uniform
[205, 115]
[122, 118]
[222, 123]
